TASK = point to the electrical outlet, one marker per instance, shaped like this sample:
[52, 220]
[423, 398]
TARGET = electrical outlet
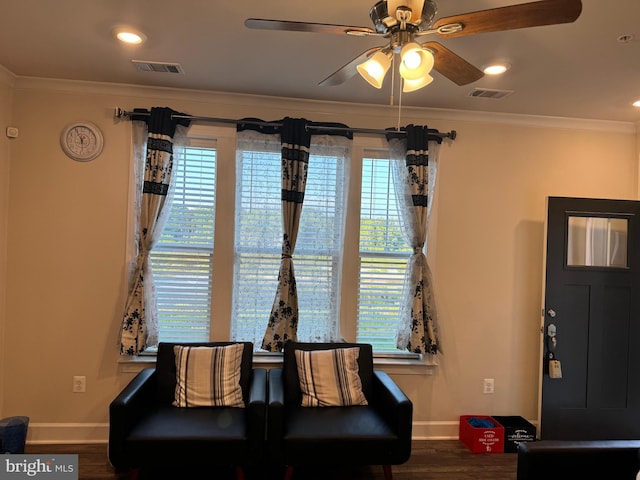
[79, 384]
[489, 385]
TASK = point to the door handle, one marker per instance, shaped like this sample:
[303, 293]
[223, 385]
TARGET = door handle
[552, 341]
[552, 364]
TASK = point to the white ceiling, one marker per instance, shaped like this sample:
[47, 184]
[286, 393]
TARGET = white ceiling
[577, 70]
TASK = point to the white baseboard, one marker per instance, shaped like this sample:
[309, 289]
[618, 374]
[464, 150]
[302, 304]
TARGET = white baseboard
[69, 433]
[435, 430]
[39, 433]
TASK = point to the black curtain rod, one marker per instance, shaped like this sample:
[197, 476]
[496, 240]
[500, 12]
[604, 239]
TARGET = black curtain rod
[120, 113]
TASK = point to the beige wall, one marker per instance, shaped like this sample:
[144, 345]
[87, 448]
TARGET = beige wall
[638, 155]
[6, 96]
[490, 244]
[67, 225]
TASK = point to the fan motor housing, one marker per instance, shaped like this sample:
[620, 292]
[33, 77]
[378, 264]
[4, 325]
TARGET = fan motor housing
[385, 22]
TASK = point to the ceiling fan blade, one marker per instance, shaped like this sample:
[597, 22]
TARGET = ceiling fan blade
[545, 12]
[347, 71]
[284, 25]
[452, 66]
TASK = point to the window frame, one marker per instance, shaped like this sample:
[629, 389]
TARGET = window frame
[190, 254]
[266, 151]
[398, 256]
[223, 261]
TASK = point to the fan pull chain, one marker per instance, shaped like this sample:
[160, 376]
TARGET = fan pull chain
[399, 105]
[393, 78]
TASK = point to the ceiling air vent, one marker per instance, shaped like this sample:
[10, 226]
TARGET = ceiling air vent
[158, 67]
[490, 93]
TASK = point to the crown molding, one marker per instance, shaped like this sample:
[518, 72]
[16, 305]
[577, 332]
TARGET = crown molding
[7, 77]
[377, 116]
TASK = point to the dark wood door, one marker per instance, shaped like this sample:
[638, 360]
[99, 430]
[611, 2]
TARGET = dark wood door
[592, 320]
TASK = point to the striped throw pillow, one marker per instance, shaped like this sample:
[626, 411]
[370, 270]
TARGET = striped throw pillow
[208, 376]
[329, 378]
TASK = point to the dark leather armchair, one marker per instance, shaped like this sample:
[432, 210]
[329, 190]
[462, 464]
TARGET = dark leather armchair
[146, 431]
[563, 459]
[375, 434]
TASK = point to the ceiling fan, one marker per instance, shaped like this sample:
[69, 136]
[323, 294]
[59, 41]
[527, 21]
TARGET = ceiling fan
[403, 22]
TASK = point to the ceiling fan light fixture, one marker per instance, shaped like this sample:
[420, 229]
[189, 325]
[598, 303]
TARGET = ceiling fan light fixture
[412, 59]
[415, 61]
[375, 68]
[636, 104]
[413, 85]
[396, 20]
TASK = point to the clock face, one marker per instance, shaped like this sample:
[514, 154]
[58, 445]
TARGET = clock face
[82, 141]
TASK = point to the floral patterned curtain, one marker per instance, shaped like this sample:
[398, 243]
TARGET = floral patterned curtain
[139, 326]
[283, 321]
[415, 175]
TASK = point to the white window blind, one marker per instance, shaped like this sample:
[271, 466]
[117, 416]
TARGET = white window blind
[383, 256]
[182, 258]
[258, 239]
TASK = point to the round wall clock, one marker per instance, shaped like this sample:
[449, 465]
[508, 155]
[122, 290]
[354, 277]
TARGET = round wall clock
[82, 141]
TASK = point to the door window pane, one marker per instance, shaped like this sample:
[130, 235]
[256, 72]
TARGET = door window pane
[597, 242]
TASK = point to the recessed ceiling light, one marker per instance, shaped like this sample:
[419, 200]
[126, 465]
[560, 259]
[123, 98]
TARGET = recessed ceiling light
[636, 103]
[129, 36]
[626, 39]
[496, 69]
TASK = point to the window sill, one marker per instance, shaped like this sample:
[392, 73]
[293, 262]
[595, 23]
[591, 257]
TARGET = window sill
[392, 364]
[396, 365]
[136, 363]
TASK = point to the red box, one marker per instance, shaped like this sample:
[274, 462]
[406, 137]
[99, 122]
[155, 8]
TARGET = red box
[481, 440]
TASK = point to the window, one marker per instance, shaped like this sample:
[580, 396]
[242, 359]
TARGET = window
[183, 257]
[383, 256]
[196, 303]
[258, 240]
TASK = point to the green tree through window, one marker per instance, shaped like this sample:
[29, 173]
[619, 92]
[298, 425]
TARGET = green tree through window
[383, 257]
[183, 258]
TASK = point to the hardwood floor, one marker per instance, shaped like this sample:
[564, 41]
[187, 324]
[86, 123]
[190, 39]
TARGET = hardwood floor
[430, 460]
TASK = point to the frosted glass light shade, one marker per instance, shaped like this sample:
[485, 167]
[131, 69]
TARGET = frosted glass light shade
[415, 62]
[375, 68]
[413, 85]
